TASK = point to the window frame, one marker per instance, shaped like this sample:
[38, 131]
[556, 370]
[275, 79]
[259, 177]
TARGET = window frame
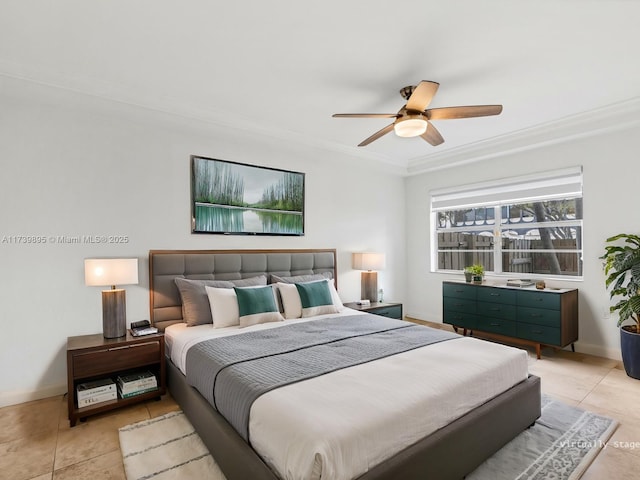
[561, 184]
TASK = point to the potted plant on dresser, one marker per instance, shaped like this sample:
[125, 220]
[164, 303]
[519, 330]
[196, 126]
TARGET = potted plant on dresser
[622, 270]
[474, 273]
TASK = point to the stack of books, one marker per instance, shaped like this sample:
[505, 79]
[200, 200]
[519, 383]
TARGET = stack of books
[136, 384]
[519, 282]
[97, 391]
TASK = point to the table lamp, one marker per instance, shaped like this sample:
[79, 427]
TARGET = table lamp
[369, 262]
[112, 271]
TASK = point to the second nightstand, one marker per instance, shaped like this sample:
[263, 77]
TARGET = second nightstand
[391, 310]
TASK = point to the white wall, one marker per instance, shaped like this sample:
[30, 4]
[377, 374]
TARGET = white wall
[77, 165]
[611, 173]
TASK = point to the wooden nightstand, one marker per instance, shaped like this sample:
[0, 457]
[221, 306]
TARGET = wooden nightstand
[93, 357]
[391, 310]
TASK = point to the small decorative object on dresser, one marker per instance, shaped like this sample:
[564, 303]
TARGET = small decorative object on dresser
[97, 362]
[391, 310]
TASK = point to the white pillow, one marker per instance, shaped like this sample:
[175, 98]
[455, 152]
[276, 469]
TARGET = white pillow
[224, 306]
[290, 300]
[291, 303]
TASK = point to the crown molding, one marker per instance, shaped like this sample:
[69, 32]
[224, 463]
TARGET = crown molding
[611, 118]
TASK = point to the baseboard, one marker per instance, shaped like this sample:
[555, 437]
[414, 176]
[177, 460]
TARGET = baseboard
[14, 398]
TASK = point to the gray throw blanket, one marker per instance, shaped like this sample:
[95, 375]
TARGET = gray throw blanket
[232, 372]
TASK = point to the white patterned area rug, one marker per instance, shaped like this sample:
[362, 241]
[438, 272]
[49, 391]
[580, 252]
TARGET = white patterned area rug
[560, 446]
[166, 448]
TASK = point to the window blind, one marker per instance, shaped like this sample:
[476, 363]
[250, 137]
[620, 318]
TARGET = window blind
[565, 183]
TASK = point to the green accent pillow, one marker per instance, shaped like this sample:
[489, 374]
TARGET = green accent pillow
[257, 305]
[316, 298]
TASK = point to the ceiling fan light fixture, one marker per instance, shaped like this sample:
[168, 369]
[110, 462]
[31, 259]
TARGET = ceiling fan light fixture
[410, 126]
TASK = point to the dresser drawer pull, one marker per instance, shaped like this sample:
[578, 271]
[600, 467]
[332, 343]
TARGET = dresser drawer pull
[458, 304]
[495, 324]
[496, 309]
[537, 331]
[459, 291]
[494, 294]
[535, 315]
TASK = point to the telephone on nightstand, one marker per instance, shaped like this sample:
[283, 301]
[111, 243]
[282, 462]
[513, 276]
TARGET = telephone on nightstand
[364, 303]
[143, 327]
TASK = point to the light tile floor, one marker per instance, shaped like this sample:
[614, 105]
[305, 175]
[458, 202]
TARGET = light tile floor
[37, 443]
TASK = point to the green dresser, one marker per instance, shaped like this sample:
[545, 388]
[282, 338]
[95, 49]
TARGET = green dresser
[527, 315]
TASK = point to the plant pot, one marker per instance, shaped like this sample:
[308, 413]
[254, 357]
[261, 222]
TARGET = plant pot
[468, 276]
[630, 347]
[477, 279]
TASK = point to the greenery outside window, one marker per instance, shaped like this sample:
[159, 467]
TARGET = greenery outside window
[528, 226]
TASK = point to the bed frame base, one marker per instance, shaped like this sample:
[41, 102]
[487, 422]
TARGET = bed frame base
[450, 453]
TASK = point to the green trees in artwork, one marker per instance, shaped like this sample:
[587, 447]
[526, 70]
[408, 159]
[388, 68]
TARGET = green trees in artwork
[287, 194]
[217, 183]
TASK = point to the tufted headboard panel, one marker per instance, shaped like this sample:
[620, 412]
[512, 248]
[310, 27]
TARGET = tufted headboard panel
[165, 265]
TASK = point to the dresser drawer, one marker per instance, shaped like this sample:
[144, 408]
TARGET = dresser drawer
[498, 310]
[391, 312]
[458, 290]
[459, 305]
[539, 316]
[538, 300]
[539, 333]
[497, 295]
[459, 319]
[496, 325]
[107, 360]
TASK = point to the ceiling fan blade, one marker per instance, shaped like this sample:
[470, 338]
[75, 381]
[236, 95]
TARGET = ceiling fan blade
[432, 135]
[422, 95]
[376, 135]
[364, 115]
[446, 113]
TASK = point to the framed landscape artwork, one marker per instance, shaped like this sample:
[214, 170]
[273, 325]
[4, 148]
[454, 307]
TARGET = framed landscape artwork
[236, 198]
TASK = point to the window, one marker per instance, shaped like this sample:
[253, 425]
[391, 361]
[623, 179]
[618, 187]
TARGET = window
[526, 225]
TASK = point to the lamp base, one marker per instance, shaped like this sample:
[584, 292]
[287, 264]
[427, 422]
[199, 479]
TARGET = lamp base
[114, 317]
[369, 286]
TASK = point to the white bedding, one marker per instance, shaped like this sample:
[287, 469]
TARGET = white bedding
[339, 425]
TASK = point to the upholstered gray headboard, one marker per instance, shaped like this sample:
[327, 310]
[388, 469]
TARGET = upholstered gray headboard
[165, 265]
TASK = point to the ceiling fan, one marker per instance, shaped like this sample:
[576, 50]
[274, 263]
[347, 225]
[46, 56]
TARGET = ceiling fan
[414, 119]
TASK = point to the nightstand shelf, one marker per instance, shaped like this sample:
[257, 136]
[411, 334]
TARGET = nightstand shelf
[93, 357]
[391, 310]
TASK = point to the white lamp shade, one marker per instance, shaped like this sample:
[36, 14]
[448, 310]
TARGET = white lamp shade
[368, 261]
[110, 271]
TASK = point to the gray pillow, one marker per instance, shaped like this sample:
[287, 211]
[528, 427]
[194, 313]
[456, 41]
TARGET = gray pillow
[301, 278]
[196, 309]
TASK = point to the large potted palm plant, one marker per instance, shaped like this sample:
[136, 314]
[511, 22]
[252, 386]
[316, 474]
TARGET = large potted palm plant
[622, 270]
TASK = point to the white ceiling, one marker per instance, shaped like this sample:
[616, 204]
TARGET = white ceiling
[283, 67]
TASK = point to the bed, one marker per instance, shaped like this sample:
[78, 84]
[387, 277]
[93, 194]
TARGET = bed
[447, 451]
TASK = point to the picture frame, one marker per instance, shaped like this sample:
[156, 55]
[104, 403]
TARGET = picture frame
[234, 198]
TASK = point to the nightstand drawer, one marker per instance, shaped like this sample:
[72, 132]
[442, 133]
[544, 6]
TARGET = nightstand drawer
[497, 325]
[539, 333]
[539, 316]
[458, 290]
[539, 300]
[107, 360]
[391, 312]
[497, 310]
